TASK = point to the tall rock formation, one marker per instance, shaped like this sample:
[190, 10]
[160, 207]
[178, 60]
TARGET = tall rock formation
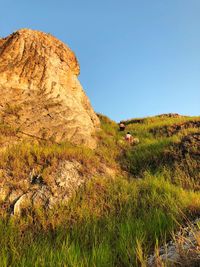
[40, 94]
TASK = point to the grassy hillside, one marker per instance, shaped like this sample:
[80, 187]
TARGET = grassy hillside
[110, 221]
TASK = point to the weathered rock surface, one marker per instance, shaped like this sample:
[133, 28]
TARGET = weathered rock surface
[40, 95]
[63, 183]
[34, 192]
[190, 144]
[188, 147]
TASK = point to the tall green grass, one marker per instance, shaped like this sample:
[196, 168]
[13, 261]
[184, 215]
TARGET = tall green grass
[108, 223]
[111, 222]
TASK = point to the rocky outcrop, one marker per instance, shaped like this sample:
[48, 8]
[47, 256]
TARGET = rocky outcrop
[169, 130]
[39, 194]
[188, 147]
[190, 144]
[40, 95]
[170, 115]
[35, 191]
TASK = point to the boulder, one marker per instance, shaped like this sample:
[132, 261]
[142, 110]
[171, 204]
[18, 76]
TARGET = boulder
[40, 94]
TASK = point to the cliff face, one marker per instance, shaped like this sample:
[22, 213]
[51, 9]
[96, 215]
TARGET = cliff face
[40, 94]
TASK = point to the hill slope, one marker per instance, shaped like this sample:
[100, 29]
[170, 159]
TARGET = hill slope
[131, 198]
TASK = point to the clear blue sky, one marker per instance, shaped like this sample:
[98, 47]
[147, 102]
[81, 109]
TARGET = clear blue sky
[138, 57]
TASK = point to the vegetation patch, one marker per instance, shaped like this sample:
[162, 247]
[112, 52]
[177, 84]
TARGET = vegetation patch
[109, 221]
